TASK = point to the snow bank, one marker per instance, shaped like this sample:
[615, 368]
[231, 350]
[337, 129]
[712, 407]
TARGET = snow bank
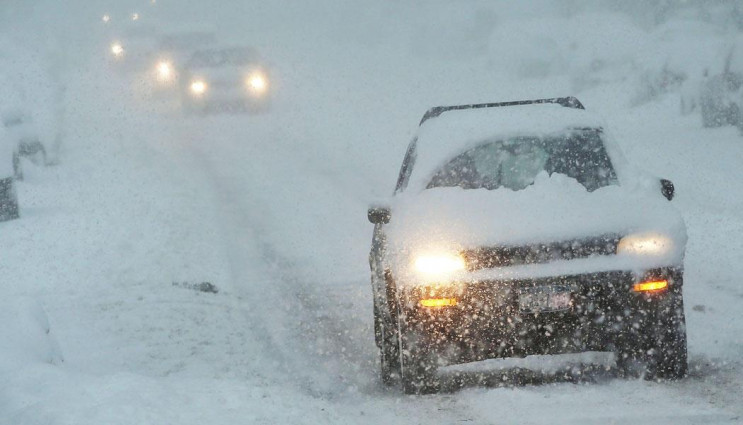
[25, 336]
[28, 92]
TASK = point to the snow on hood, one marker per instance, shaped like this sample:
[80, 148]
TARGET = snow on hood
[553, 209]
[25, 336]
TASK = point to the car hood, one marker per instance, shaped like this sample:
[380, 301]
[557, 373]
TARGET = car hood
[553, 209]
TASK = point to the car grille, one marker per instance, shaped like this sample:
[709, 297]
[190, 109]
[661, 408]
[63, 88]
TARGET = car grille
[504, 256]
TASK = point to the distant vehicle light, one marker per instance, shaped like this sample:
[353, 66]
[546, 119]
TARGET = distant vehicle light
[106, 18]
[117, 50]
[257, 83]
[198, 87]
[164, 71]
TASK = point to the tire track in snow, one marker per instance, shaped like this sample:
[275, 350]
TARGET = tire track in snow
[324, 347]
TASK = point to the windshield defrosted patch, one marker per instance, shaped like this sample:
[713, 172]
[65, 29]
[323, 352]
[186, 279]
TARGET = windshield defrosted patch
[515, 163]
[514, 166]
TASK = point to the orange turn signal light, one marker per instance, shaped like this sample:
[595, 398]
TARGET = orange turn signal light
[652, 286]
[439, 302]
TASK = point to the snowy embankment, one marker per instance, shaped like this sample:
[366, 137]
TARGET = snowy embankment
[125, 231]
[145, 205]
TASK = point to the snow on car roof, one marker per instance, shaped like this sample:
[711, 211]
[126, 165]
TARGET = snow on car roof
[455, 131]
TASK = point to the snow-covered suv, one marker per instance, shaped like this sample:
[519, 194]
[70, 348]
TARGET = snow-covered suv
[518, 228]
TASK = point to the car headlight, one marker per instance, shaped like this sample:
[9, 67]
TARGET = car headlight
[645, 244]
[438, 264]
[117, 49]
[198, 87]
[164, 71]
[257, 83]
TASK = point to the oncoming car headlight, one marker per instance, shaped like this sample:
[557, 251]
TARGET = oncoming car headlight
[645, 244]
[164, 71]
[117, 49]
[198, 87]
[436, 264]
[257, 83]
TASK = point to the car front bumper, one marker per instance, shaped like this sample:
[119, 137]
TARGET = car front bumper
[488, 322]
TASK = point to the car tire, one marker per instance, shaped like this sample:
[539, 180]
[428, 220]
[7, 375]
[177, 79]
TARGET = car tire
[389, 354]
[655, 346]
[8, 200]
[387, 340]
[418, 364]
[669, 357]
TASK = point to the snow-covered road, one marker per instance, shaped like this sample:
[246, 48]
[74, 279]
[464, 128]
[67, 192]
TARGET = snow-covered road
[271, 210]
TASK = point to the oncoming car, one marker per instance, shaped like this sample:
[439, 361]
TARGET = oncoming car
[225, 79]
[174, 48]
[517, 229]
[132, 49]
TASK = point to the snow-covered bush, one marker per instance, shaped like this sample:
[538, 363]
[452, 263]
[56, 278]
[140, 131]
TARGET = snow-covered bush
[25, 336]
[28, 92]
[6, 154]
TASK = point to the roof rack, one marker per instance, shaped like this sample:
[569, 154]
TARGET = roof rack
[568, 102]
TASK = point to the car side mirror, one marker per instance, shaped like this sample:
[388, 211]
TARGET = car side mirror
[379, 215]
[667, 189]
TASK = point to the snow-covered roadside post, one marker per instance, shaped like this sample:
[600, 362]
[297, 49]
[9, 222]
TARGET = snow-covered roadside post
[25, 337]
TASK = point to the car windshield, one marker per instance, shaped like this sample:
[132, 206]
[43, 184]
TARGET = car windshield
[223, 57]
[187, 40]
[514, 163]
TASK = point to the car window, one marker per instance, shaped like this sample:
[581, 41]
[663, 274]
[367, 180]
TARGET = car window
[514, 163]
[224, 57]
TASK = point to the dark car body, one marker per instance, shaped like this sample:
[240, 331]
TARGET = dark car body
[226, 75]
[509, 298]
